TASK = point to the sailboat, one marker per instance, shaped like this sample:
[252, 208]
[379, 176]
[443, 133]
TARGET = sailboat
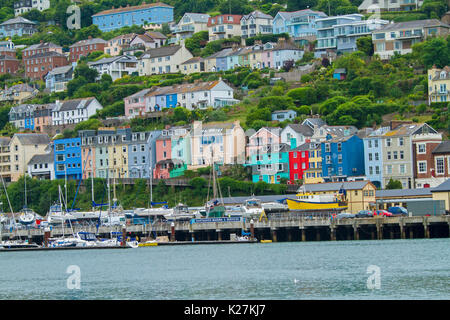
[27, 216]
[214, 207]
[10, 244]
[57, 214]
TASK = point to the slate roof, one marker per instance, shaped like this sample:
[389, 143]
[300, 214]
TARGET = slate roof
[333, 186]
[299, 13]
[42, 158]
[88, 42]
[395, 193]
[197, 17]
[19, 19]
[74, 104]
[257, 14]
[302, 128]
[42, 45]
[437, 75]
[161, 52]
[443, 147]
[445, 186]
[60, 70]
[413, 24]
[33, 138]
[132, 8]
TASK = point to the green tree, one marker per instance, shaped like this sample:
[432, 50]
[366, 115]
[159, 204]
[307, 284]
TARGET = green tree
[365, 45]
[394, 184]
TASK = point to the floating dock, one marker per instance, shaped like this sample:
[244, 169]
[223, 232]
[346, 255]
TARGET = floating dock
[59, 248]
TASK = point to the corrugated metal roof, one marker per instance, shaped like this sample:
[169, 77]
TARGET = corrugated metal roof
[403, 193]
[333, 186]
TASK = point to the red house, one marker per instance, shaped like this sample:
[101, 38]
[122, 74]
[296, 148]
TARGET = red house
[298, 162]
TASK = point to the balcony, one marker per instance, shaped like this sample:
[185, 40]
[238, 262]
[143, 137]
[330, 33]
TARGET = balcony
[219, 30]
[410, 34]
[183, 29]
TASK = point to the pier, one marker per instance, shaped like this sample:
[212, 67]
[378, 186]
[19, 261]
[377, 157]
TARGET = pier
[277, 228]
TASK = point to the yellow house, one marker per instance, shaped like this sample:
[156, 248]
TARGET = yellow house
[438, 84]
[442, 192]
[193, 65]
[23, 146]
[314, 173]
[360, 195]
[118, 160]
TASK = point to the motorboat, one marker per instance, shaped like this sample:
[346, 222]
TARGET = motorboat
[274, 206]
[27, 216]
[16, 244]
[309, 201]
[180, 213]
[252, 208]
[56, 215]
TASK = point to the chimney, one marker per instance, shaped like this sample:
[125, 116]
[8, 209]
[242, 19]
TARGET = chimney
[396, 123]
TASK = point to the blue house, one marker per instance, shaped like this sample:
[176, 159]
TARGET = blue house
[68, 158]
[171, 100]
[140, 148]
[297, 24]
[342, 157]
[18, 27]
[146, 13]
[282, 115]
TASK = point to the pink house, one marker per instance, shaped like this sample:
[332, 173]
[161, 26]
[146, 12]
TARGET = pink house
[135, 104]
[88, 161]
[163, 153]
[261, 138]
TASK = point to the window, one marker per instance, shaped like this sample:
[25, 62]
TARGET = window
[377, 157]
[389, 155]
[370, 170]
[400, 141]
[370, 157]
[421, 148]
[327, 147]
[402, 168]
[339, 158]
[388, 142]
[395, 155]
[422, 166]
[389, 169]
[339, 147]
[370, 143]
[440, 165]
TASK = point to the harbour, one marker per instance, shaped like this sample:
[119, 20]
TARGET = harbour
[277, 228]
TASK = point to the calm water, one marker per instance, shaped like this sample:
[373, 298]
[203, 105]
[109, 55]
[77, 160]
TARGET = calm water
[409, 269]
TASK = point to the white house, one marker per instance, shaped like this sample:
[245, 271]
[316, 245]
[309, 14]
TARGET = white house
[191, 23]
[163, 60]
[23, 6]
[191, 95]
[256, 23]
[41, 166]
[74, 111]
[295, 134]
[116, 67]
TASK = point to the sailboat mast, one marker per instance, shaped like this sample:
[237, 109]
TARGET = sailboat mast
[62, 213]
[92, 183]
[25, 179]
[214, 175]
[150, 172]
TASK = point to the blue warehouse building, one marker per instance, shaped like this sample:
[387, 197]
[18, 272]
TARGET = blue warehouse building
[68, 158]
[146, 13]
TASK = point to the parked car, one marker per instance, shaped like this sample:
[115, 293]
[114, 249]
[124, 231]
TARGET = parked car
[364, 214]
[398, 211]
[345, 215]
[382, 213]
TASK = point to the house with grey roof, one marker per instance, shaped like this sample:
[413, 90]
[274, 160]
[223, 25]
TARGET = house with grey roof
[161, 60]
[256, 23]
[116, 67]
[56, 80]
[373, 6]
[18, 93]
[74, 111]
[191, 23]
[400, 37]
[18, 26]
[41, 166]
[295, 134]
